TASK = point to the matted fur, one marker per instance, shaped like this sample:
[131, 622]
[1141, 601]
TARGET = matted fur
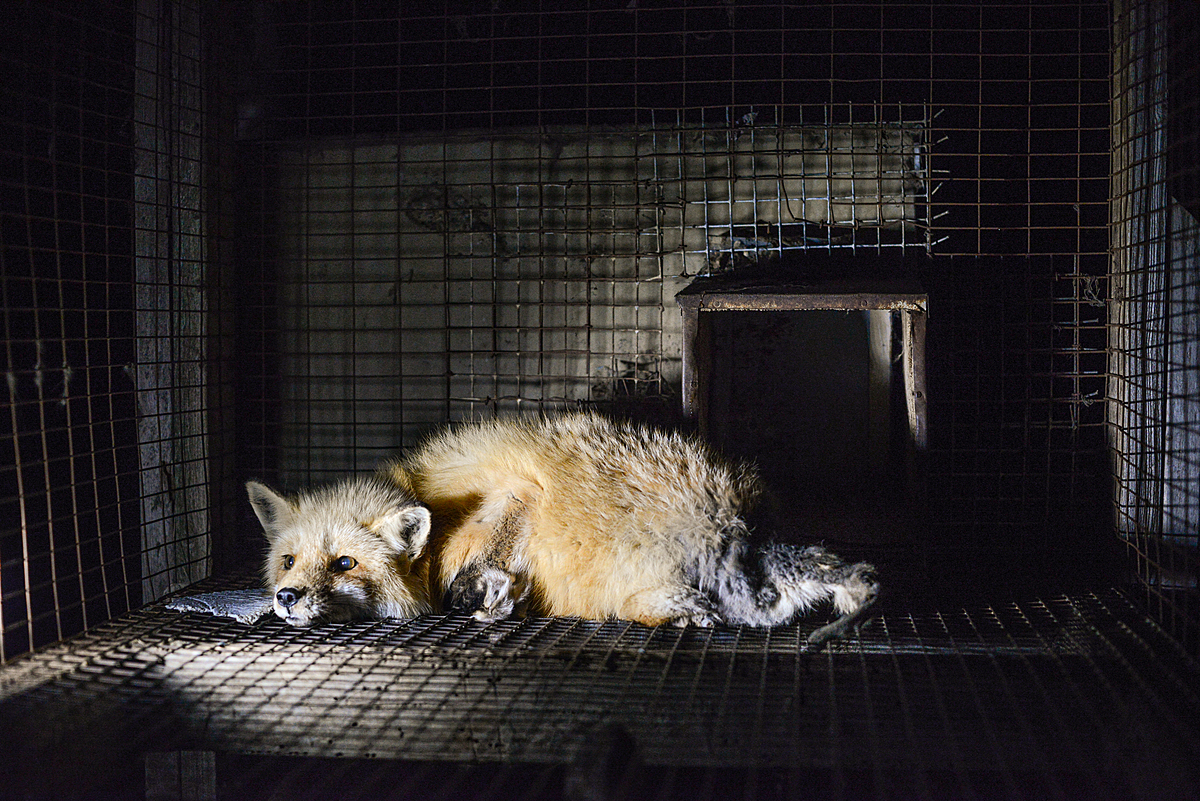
[582, 516]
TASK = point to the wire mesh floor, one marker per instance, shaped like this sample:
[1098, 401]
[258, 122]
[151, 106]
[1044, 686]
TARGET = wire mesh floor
[1070, 696]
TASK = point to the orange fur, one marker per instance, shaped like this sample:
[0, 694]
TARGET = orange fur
[573, 515]
[615, 510]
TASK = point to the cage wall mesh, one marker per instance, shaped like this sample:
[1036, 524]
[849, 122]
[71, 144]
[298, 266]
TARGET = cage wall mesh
[109, 287]
[283, 240]
[441, 225]
[481, 272]
[1155, 343]
[69, 554]
[227, 357]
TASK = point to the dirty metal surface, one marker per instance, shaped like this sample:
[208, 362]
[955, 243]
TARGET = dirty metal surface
[1065, 694]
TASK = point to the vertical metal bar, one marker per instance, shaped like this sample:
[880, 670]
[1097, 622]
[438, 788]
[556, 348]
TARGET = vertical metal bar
[77, 510]
[913, 348]
[40, 373]
[19, 468]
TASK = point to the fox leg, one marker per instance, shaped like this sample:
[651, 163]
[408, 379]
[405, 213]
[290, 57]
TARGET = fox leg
[774, 584]
[813, 571]
[678, 605]
[848, 619]
[490, 585]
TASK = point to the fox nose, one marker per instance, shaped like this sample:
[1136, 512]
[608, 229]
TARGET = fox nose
[288, 597]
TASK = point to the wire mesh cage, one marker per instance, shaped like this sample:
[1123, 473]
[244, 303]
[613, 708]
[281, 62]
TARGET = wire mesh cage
[288, 240]
[539, 264]
[1152, 358]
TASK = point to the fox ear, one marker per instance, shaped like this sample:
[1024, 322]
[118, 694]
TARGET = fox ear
[406, 530]
[274, 511]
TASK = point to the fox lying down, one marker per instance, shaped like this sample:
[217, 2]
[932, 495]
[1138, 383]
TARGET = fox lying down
[571, 515]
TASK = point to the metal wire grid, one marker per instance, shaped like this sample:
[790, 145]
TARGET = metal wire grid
[856, 179]
[1015, 163]
[1020, 90]
[536, 265]
[513, 292]
[1017, 346]
[68, 482]
[1006, 33]
[1052, 690]
[1155, 346]
[1019, 432]
[1063, 697]
[966, 52]
[107, 242]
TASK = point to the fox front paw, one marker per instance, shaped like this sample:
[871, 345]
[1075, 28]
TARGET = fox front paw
[488, 593]
[705, 620]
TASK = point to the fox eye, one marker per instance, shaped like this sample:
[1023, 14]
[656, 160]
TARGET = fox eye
[289, 562]
[344, 563]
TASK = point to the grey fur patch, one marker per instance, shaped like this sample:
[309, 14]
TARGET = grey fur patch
[246, 606]
[772, 584]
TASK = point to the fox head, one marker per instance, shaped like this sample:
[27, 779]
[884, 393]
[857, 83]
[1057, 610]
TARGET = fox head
[348, 551]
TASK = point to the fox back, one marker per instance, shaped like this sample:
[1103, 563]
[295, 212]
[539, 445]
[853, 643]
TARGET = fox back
[593, 513]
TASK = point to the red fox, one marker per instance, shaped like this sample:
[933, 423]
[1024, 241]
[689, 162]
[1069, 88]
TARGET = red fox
[573, 515]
